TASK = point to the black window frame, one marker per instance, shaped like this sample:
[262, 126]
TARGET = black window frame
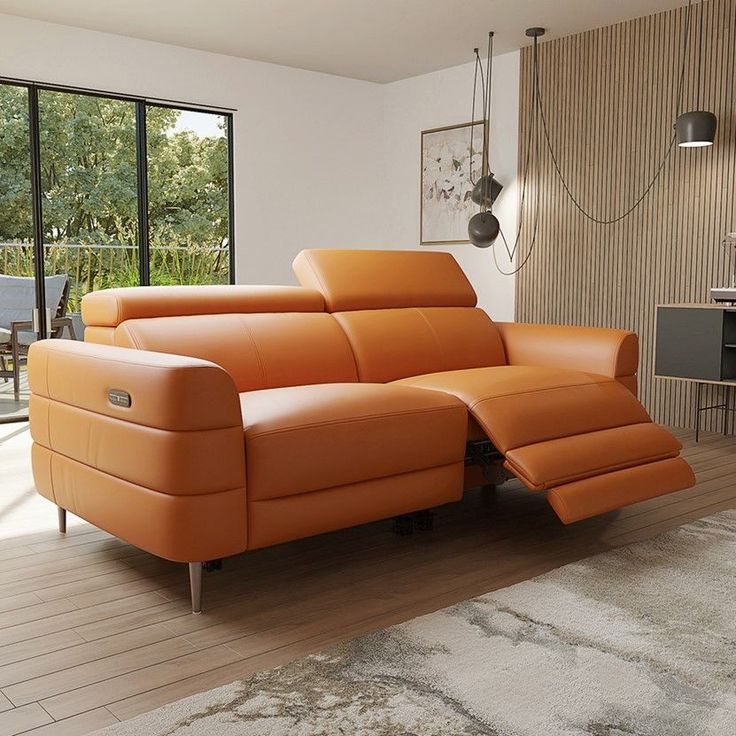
[141, 106]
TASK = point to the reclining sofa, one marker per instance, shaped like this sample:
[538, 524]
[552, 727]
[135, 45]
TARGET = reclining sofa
[200, 422]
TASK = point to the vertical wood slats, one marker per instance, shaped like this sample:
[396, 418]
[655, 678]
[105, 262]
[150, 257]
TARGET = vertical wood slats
[610, 98]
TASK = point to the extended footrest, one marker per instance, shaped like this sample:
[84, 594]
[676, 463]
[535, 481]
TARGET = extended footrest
[556, 462]
[586, 469]
[583, 438]
[602, 493]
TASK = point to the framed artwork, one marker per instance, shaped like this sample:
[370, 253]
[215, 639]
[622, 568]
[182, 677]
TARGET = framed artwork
[445, 205]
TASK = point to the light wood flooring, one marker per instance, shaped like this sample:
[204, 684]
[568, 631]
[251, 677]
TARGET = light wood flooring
[93, 631]
[10, 409]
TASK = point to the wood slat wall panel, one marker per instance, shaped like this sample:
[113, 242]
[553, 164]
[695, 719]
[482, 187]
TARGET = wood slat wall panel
[610, 98]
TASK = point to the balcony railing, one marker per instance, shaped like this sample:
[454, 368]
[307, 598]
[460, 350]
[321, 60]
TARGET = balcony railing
[93, 267]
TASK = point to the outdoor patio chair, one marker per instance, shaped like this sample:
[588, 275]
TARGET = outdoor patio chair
[17, 302]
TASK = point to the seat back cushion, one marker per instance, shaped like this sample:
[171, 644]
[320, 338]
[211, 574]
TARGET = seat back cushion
[111, 307]
[258, 350]
[405, 312]
[389, 344]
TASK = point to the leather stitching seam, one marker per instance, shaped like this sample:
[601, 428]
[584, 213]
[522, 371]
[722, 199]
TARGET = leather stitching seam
[596, 472]
[256, 352]
[351, 420]
[539, 390]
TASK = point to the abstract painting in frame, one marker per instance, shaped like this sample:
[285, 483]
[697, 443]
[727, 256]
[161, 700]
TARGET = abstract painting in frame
[446, 206]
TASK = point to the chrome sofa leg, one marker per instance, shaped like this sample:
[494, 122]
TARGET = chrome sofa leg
[195, 585]
[62, 519]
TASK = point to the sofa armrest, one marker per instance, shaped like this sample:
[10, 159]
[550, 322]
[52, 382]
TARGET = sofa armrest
[601, 350]
[170, 392]
[148, 446]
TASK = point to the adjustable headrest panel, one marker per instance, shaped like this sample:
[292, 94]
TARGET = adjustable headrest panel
[111, 307]
[351, 280]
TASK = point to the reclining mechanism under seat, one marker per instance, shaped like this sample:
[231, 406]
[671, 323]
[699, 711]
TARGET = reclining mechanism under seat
[582, 437]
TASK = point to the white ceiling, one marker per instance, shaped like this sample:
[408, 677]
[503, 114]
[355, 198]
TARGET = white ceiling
[376, 40]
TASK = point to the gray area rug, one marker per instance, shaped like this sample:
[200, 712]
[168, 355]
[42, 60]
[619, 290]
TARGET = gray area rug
[640, 640]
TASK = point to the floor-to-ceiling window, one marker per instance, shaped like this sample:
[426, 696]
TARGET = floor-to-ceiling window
[127, 192]
[17, 257]
[188, 196]
[88, 192]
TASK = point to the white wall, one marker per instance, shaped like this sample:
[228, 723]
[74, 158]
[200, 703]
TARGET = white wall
[305, 143]
[444, 98]
[320, 161]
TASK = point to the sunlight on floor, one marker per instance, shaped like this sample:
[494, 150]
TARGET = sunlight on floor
[22, 510]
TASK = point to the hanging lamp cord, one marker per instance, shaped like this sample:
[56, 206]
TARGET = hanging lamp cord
[511, 252]
[487, 112]
[531, 135]
[485, 85]
[485, 101]
[662, 163]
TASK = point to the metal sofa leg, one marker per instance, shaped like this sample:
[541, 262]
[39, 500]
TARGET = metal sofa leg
[195, 585]
[62, 519]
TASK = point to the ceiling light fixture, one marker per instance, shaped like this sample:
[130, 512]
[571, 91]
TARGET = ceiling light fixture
[697, 128]
[484, 227]
[693, 129]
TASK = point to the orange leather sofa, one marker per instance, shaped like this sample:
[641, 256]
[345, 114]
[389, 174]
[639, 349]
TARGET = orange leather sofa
[200, 422]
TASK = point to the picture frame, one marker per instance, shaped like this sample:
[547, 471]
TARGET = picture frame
[445, 206]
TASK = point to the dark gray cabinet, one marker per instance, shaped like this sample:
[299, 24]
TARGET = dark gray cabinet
[696, 342]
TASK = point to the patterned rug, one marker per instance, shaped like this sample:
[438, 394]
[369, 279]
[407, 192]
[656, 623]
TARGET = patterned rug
[637, 641]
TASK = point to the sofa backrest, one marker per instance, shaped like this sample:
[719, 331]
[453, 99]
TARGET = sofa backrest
[405, 313]
[264, 336]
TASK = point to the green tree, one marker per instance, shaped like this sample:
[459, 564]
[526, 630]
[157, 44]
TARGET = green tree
[89, 189]
[15, 165]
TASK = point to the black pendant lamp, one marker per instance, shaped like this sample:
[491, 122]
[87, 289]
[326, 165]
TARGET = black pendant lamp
[693, 129]
[484, 227]
[697, 128]
[486, 190]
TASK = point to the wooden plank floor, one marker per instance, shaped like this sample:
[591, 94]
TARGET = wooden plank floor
[92, 630]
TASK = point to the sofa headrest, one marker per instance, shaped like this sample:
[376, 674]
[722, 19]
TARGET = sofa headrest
[110, 307]
[384, 279]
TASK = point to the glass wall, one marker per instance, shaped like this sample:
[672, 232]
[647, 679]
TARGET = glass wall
[130, 193]
[17, 265]
[89, 193]
[188, 196]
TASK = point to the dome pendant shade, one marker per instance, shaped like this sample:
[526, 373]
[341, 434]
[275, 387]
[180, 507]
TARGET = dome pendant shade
[483, 229]
[486, 190]
[696, 128]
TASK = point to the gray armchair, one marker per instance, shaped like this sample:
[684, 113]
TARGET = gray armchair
[17, 302]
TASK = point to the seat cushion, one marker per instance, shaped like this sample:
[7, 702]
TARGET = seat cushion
[520, 405]
[24, 338]
[306, 438]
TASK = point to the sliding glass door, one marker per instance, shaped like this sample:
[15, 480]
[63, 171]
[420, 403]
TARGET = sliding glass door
[98, 191]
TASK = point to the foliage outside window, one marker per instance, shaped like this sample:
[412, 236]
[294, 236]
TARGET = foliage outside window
[90, 198]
